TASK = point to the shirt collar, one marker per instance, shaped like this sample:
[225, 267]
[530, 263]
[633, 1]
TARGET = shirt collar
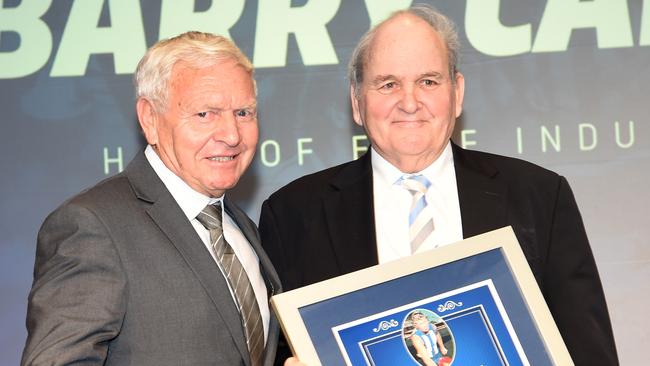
[189, 200]
[390, 174]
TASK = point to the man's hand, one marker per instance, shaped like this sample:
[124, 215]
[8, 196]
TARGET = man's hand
[292, 361]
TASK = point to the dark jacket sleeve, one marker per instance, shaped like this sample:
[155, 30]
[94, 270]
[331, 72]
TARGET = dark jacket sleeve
[272, 244]
[572, 287]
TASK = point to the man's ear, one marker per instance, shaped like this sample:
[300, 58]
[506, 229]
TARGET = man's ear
[459, 93]
[148, 118]
[356, 114]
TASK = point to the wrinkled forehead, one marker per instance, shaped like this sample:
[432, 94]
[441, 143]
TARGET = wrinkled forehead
[226, 70]
[404, 37]
[223, 83]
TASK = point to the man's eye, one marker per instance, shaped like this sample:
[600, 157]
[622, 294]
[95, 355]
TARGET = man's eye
[429, 82]
[245, 114]
[388, 87]
[202, 114]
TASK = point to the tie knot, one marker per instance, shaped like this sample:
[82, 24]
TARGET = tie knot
[415, 183]
[210, 216]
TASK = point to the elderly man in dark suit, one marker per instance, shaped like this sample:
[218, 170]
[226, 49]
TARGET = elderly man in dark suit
[156, 266]
[415, 190]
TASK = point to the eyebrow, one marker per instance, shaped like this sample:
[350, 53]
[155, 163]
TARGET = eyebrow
[431, 74]
[249, 106]
[213, 106]
[382, 78]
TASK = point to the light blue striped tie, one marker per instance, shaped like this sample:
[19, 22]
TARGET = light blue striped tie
[420, 219]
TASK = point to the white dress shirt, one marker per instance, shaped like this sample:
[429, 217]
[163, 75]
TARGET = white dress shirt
[192, 203]
[393, 203]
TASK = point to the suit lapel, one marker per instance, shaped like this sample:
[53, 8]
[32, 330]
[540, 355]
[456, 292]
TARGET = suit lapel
[349, 207]
[249, 230]
[268, 273]
[169, 217]
[482, 198]
[349, 213]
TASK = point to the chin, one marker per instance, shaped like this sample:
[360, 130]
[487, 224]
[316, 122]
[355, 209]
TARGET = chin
[415, 148]
[222, 186]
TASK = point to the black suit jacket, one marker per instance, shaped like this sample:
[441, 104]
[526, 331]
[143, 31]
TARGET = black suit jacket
[322, 225]
[122, 278]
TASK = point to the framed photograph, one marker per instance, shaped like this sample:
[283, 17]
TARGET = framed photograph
[474, 302]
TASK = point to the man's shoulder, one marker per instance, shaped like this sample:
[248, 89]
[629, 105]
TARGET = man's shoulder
[505, 167]
[121, 189]
[313, 184]
[103, 207]
[109, 191]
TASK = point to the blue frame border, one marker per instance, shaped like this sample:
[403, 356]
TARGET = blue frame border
[321, 317]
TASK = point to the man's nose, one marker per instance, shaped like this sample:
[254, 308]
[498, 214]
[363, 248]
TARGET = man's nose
[409, 101]
[227, 130]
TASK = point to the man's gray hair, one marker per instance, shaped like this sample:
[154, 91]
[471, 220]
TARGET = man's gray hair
[439, 22]
[197, 49]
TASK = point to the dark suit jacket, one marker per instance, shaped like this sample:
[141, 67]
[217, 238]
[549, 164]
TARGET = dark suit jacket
[122, 278]
[322, 225]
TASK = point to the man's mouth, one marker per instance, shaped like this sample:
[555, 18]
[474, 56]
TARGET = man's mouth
[222, 158]
[409, 121]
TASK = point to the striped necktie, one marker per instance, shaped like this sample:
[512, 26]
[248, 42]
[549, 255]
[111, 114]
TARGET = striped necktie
[420, 218]
[238, 280]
